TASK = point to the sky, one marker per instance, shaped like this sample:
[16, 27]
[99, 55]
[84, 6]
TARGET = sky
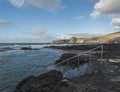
[38, 21]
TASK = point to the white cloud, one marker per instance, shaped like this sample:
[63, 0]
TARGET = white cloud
[82, 35]
[18, 3]
[115, 23]
[90, 1]
[2, 22]
[50, 5]
[106, 8]
[36, 32]
[41, 34]
[36, 35]
[80, 17]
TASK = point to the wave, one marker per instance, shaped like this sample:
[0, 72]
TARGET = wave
[7, 47]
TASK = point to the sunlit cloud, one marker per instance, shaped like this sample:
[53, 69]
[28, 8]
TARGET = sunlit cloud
[107, 8]
[49, 5]
[18, 3]
[40, 33]
[115, 23]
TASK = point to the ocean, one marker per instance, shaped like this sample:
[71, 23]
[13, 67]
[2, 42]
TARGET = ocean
[17, 64]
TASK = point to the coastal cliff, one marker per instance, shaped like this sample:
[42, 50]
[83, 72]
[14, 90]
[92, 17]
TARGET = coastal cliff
[109, 38]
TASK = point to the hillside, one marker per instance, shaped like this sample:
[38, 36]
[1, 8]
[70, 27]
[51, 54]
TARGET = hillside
[109, 38]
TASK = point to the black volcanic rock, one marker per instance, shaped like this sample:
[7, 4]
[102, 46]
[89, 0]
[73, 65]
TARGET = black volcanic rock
[107, 47]
[51, 81]
[72, 62]
[104, 78]
[40, 83]
[28, 48]
[110, 50]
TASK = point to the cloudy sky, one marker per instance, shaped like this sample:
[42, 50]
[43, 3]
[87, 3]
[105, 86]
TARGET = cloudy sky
[46, 20]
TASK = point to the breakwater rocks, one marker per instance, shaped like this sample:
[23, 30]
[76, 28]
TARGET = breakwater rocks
[74, 62]
[51, 81]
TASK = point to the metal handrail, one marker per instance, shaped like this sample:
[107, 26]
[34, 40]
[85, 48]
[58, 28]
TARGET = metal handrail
[77, 56]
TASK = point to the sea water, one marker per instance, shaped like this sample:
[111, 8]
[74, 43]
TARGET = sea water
[17, 64]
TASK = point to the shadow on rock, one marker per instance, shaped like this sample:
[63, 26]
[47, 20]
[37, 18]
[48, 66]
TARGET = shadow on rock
[74, 62]
[51, 81]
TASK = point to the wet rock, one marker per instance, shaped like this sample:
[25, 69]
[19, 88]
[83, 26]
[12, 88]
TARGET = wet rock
[75, 62]
[115, 79]
[110, 50]
[5, 49]
[28, 48]
[107, 47]
[51, 81]
[40, 83]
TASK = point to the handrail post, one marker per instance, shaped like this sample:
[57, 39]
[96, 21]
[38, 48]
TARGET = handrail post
[90, 58]
[67, 62]
[78, 61]
[102, 52]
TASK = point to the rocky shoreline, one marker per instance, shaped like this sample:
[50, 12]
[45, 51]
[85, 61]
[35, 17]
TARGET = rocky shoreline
[110, 50]
[105, 75]
[51, 81]
[102, 79]
[72, 62]
[107, 47]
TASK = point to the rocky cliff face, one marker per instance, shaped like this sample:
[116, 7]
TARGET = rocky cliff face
[73, 40]
[109, 38]
[77, 40]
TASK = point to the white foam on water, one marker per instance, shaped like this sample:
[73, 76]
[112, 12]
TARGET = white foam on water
[38, 46]
[111, 60]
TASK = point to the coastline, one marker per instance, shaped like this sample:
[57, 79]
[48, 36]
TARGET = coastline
[110, 50]
[16, 65]
[105, 75]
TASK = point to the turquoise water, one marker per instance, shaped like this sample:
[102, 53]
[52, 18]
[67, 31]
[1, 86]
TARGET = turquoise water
[18, 64]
